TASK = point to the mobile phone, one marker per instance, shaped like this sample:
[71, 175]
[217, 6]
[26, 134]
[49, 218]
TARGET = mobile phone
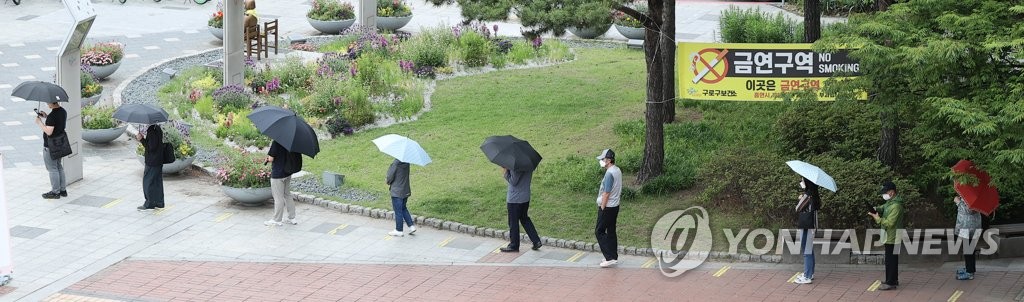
[39, 113]
[872, 210]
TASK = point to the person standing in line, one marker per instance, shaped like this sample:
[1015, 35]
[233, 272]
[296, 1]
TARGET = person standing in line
[968, 224]
[517, 201]
[398, 181]
[808, 206]
[280, 180]
[890, 217]
[608, 196]
[153, 175]
[55, 124]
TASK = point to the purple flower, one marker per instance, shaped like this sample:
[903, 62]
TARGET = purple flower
[457, 31]
[537, 42]
[352, 69]
[406, 65]
[273, 84]
[495, 29]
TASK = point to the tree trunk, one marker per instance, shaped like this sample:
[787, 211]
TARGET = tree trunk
[669, 61]
[882, 5]
[812, 21]
[889, 145]
[654, 135]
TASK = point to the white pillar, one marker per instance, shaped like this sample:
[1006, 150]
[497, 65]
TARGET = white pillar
[234, 50]
[368, 13]
[69, 72]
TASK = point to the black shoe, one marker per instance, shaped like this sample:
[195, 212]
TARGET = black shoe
[144, 209]
[536, 246]
[508, 249]
[886, 287]
[51, 195]
[64, 193]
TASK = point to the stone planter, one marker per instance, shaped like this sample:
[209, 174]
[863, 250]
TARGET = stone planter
[177, 166]
[102, 72]
[632, 33]
[217, 32]
[331, 27]
[102, 136]
[590, 32]
[92, 100]
[250, 197]
[392, 23]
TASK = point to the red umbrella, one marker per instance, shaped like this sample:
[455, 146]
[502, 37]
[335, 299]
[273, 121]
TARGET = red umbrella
[981, 197]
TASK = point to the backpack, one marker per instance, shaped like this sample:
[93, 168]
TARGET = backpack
[168, 153]
[293, 163]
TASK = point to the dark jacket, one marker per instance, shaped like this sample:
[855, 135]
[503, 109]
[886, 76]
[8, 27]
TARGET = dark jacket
[518, 186]
[154, 143]
[398, 179]
[280, 155]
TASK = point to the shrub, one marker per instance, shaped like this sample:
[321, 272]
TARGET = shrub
[242, 169]
[498, 60]
[100, 54]
[591, 14]
[204, 106]
[754, 26]
[841, 7]
[206, 83]
[98, 117]
[216, 20]
[178, 134]
[90, 86]
[231, 98]
[331, 64]
[556, 51]
[330, 10]
[337, 125]
[393, 8]
[623, 19]
[521, 52]
[293, 74]
[474, 49]
[238, 128]
[376, 73]
[847, 130]
[858, 182]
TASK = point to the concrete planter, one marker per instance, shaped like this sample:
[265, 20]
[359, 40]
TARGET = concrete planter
[632, 33]
[333, 180]
[392, 23]
[102, 72]
[217, 32]
[92, 100]
[102, 136]
[250, 197]
[177, 166]
[331, 27]
[590, 32]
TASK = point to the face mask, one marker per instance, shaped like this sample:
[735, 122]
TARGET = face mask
[886, 196]
[601, 163]
[802, 185]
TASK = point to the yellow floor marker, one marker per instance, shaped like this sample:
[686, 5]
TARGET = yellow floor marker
[793, 278]
[874, 286]
[223, 216]
[497, 250]
[649, 263]
[722, 271]
[111, 204]
[576, 257]
[956, 295]
[161, 211]
[387, 237]
[446, 241]
[339, 228]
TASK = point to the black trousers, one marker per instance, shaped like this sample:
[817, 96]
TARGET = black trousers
[605, 232]
[519, 213]
[969, 262]
[153, 186]
[892, 261]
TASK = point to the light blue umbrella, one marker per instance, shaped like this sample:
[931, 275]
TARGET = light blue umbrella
[403, 149]
[813, 173]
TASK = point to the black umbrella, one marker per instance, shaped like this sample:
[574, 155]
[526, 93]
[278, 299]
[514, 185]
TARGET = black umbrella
[286, 128]
[511, 153]
[40, 91]
[141, 114]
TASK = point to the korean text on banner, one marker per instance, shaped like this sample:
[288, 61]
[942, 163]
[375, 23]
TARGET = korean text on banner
[757, 72]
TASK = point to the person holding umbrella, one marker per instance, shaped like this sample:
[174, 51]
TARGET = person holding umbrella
[517, 160]
[807, 208]
[292, 137]
[153, 142]
[890, 217]
[405, 151]
[282, 166]
[55, 124]
[971, 201]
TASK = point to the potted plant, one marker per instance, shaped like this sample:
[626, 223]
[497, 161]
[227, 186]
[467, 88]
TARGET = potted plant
[331, 16]
[245, 178]
[91, 88]
[630, 27]
[177, 134]
[591, 21]
[99, 125]
[216, 23]
[104, 58]
[392, 14]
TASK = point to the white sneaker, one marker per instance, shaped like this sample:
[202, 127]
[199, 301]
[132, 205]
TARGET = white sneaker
[802, 280]
[802, 275]
[396, 233]
[609, 263]
[412, 229]
[293, 221]
[272, 223]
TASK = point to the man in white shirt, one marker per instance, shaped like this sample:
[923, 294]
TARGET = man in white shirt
[608, 208]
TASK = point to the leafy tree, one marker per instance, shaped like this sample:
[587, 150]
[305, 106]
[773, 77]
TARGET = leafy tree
[554, 16]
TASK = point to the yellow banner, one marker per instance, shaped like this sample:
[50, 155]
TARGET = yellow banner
[756, 72]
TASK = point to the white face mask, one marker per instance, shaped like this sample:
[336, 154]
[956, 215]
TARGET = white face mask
[886, 196]
[601, 163]
[802, 185]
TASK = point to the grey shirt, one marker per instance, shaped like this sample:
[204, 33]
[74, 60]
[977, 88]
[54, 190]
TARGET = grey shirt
[398, 179]
[518, 186]
[612, 184]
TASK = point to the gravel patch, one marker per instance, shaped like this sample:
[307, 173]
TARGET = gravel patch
[312, 185]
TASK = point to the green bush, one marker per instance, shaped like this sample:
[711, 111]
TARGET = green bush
[499, 61]
[841, 7]
[98, 117]
[429, 48]
[474, 49]
[293, 74]
[521, 52]
[858, 182]
[204, 106]
[754, 26]
[357, 108]
[377, 74]
[847, 130]
[330, 10]
[231, 98]
[555, 50]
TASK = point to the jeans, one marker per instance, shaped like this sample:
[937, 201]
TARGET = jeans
[807, 249]
[401, 212]
[153, 186]
[58, 182]
[519, 213]
[605, 232]
[282, 198]
[892, 261]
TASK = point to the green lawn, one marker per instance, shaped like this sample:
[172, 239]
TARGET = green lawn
[568, 110]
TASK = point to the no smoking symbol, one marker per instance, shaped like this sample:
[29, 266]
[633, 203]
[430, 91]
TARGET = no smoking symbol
[707, 72]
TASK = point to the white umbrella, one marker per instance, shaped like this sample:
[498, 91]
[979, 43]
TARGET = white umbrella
[813, 173]
[403, 149]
